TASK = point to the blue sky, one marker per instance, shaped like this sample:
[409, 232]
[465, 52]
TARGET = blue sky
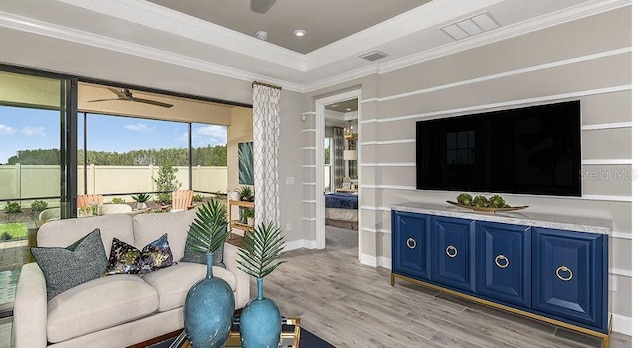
[23, 129]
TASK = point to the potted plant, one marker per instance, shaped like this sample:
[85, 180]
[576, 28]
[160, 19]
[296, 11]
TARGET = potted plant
[209, 305]
[260, 320]
[141, 198]
[246, 193]
[250, 216]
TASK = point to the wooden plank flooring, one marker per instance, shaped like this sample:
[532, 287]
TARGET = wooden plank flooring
[352, 305]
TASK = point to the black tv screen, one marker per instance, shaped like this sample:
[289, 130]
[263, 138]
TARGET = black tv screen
[531, 150]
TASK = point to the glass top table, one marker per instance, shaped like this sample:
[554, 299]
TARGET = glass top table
[289, 338]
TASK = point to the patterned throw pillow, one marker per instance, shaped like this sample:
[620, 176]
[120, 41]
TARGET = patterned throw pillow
[197, 257]
[127, 259]
[78, 263]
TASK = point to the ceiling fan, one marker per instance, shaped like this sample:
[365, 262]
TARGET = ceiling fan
[261, 6]
[125, 94]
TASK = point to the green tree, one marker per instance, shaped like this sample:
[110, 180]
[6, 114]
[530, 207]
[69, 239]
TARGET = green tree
[166, 181]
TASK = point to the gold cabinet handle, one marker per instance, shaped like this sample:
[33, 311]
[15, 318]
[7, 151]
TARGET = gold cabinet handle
[411, 243]
[451, 251]
[503, 258]
[564, 269]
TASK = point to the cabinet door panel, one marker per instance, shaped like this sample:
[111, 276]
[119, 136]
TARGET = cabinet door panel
[504, 262]
[410, 244]
[454, 252]
[568, 273]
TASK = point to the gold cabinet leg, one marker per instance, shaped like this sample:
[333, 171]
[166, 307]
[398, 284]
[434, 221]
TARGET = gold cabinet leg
[605, 341]
[393, 280]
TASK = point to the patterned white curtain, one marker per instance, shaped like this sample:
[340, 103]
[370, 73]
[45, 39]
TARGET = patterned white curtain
[266, 135]
[338, 156]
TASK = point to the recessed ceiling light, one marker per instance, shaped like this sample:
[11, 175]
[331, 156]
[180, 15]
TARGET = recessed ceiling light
[262, 35]
[348, 109]
[334, 105]
[300, 33]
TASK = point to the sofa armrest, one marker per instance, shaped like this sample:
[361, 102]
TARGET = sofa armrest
[30, 308]
[243, 280]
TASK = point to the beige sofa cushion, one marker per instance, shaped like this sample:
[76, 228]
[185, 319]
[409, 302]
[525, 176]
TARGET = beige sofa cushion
[149, 227]
[62, 233]
[174, 282]
[99, 304]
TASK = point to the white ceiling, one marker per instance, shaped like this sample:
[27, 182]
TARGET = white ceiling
[143, 29]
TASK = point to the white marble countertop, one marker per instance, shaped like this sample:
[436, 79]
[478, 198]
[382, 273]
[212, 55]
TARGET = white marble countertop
[519, 217]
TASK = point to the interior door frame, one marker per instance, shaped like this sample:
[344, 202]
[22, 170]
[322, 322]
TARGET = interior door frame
[319, 163]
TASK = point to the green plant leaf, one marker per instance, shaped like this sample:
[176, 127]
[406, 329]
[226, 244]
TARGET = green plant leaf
[260, 249]
[245, 163]
[208, 231]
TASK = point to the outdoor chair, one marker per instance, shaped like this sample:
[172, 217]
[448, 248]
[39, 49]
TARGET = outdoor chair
[49, 214]
[180, 200]
[86, 200]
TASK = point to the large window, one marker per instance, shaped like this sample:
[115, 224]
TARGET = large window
[32, 112]
[209, 157]
[126, 155]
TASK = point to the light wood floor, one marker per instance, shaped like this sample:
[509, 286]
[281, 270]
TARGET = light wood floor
[351, 305]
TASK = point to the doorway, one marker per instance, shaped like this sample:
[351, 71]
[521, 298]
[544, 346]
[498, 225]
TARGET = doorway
[337, 119]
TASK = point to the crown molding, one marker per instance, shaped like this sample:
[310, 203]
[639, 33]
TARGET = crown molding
[420, 18]
[576, 12]
[566, 15]
[177, 23]
[163, 19]
[33, 26]
[354, 74]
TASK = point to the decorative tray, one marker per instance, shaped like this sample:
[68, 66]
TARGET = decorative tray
[486, 210]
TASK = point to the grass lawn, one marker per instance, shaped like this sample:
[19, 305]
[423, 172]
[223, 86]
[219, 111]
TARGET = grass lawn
[17, 230]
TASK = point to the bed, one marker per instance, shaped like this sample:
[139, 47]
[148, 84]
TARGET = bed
[341, 210]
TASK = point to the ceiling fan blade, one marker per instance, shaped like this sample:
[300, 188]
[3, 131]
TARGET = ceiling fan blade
[101, 100]
[152, 102]
[261, 6]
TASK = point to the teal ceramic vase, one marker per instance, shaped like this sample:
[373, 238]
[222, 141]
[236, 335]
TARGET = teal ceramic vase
[208, 310]
[260, 322]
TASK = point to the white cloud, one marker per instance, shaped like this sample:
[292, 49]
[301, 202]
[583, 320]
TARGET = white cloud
[205, 135]
[6, 130]
[142, 128]
[214, 135]
[29, 131]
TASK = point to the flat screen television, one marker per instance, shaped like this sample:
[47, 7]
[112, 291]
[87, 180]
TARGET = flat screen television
[531, 150]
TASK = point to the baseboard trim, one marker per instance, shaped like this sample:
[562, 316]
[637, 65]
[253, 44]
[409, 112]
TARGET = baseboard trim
[299, 244]
[375, 261]
[621, 324]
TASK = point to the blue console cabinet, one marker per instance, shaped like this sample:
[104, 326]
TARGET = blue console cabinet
[558, 276]
[504, 262]
[453, 253]
[570, 273]
[412, 243]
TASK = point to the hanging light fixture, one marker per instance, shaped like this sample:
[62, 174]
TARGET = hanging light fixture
[350, 153]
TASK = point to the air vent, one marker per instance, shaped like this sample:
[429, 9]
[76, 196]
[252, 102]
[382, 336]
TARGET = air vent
[470, 26]
[373, 56]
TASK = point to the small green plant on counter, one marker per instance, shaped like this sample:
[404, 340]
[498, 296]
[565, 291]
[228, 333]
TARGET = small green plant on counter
[117, 200]
[39, 205]
[481, 201]
[12, 208]
[5, 236]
